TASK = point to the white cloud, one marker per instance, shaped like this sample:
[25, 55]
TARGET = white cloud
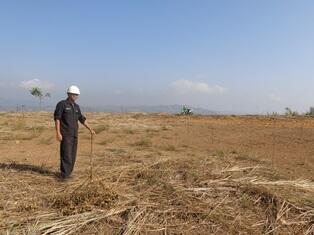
[184, 86]
[274, 98]
[36, 83]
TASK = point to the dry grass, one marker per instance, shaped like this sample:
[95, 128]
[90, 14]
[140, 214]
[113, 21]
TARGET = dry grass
[169, 147]
[138, 189]
[85, 197]
[129, 131]
[143, 143]
[47, 140]
[173, 195]
[100, 128]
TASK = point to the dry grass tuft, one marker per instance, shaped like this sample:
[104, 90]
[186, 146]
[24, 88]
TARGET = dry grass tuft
[86, 197]
[169, 148]
[129, 131]
[100, 128]
[143, 143]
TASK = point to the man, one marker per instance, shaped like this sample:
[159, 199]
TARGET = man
[66, 116]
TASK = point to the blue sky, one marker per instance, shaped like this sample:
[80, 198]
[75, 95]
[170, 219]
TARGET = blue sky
[225, 55]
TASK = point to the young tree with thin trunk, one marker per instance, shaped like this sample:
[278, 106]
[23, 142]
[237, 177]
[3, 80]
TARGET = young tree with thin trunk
[38, 93]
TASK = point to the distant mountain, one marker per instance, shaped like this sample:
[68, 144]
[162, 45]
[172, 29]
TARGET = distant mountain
[115, 109]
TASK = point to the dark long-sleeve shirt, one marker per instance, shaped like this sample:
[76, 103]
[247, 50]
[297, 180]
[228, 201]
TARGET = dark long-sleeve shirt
[69, 114]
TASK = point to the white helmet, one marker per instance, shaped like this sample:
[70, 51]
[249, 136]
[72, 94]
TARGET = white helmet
[73, 90]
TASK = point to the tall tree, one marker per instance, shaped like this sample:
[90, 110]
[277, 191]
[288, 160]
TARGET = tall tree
[38, 93]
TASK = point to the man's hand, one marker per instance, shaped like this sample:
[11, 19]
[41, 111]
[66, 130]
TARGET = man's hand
[59, 137]
[92, 132]
[58, 132]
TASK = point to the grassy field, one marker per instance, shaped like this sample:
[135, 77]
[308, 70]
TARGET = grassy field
[159, 174]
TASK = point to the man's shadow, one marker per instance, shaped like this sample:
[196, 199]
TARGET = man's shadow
[28, 168]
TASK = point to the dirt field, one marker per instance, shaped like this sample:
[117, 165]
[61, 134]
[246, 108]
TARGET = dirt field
[159, 174]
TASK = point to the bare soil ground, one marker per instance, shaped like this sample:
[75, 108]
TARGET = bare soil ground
[159, 174]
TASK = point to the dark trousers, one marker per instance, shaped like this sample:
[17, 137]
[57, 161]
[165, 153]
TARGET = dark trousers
[68, 149]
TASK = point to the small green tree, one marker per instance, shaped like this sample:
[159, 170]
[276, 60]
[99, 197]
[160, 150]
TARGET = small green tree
[289, 112]
[38, 93]
[186, 111]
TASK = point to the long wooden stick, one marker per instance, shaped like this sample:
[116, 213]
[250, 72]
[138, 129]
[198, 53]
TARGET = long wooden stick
[91, 156]
[273, 158]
